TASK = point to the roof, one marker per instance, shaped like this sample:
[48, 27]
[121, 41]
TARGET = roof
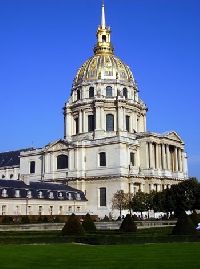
[11, 158]
[39, 190]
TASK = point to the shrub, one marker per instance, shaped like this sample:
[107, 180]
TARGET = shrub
[72, 226]
[128, 225]
[7, 220]
[184, 225]
[88, 224]
[195, 218]
[25, 220]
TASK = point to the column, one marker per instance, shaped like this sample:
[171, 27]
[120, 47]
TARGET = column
[102, 118]
[180, 160]
[80, 121]
[151, 155]
[98, 118]
[163, 157]
[168, 158]
[176, 165]
[84, 122]
[120, 119]
[157, 156]
[183, 161]
[147, 155]
[67, 123]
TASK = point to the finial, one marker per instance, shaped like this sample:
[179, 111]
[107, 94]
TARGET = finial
[103, 17]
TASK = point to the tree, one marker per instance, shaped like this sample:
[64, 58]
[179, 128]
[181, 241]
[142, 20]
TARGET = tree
[88, 224]
[120, 201]
[72, 226]
[140, 202]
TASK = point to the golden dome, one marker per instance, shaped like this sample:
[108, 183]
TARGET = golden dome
[103, 65]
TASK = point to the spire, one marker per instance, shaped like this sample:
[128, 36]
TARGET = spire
[103, 45]
[103, 17]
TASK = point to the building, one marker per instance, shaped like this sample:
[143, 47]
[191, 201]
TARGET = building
[106, 146]
[38, 198]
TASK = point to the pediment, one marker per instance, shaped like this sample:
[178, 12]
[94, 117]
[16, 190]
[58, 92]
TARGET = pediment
[57, 145]
[174, 136]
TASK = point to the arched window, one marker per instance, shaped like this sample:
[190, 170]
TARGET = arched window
[91, 92]
[76, 125]
[109, 122]
[32, 167]
[91, 123]
[127, 123]
[103, 38]
[78, 94]
[108, 91]
[125, 93]
[62, 161]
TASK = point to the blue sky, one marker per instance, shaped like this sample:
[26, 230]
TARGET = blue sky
[44, 42]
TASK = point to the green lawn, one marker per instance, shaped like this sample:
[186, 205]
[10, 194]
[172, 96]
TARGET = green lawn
[70, 256]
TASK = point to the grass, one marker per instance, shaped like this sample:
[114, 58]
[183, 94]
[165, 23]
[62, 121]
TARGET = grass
[70, 256]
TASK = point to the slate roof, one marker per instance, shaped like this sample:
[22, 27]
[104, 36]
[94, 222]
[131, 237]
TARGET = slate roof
[58, 191]
[11, 158]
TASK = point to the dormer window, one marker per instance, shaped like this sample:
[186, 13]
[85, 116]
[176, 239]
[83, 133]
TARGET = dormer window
[40, 194]
[78, 196]
[60, 195]
[4, 193]
[51, 196]
[69, 196]
[29, 194]
[17, 193]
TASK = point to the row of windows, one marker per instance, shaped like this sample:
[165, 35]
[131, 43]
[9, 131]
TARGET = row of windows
[11, 176]
[62, 210]
[109, 92]
[62, 163]
[40, 194]
[109, 123]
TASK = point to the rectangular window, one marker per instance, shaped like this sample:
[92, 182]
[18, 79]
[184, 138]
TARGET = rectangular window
[127, 123]
[51, 210]
[102, 196]
[91, 123]
[102, 159]
[3, 209]
[60, 210]
[40, 210]
[32, 167]
[77, 125]
[132, 159]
